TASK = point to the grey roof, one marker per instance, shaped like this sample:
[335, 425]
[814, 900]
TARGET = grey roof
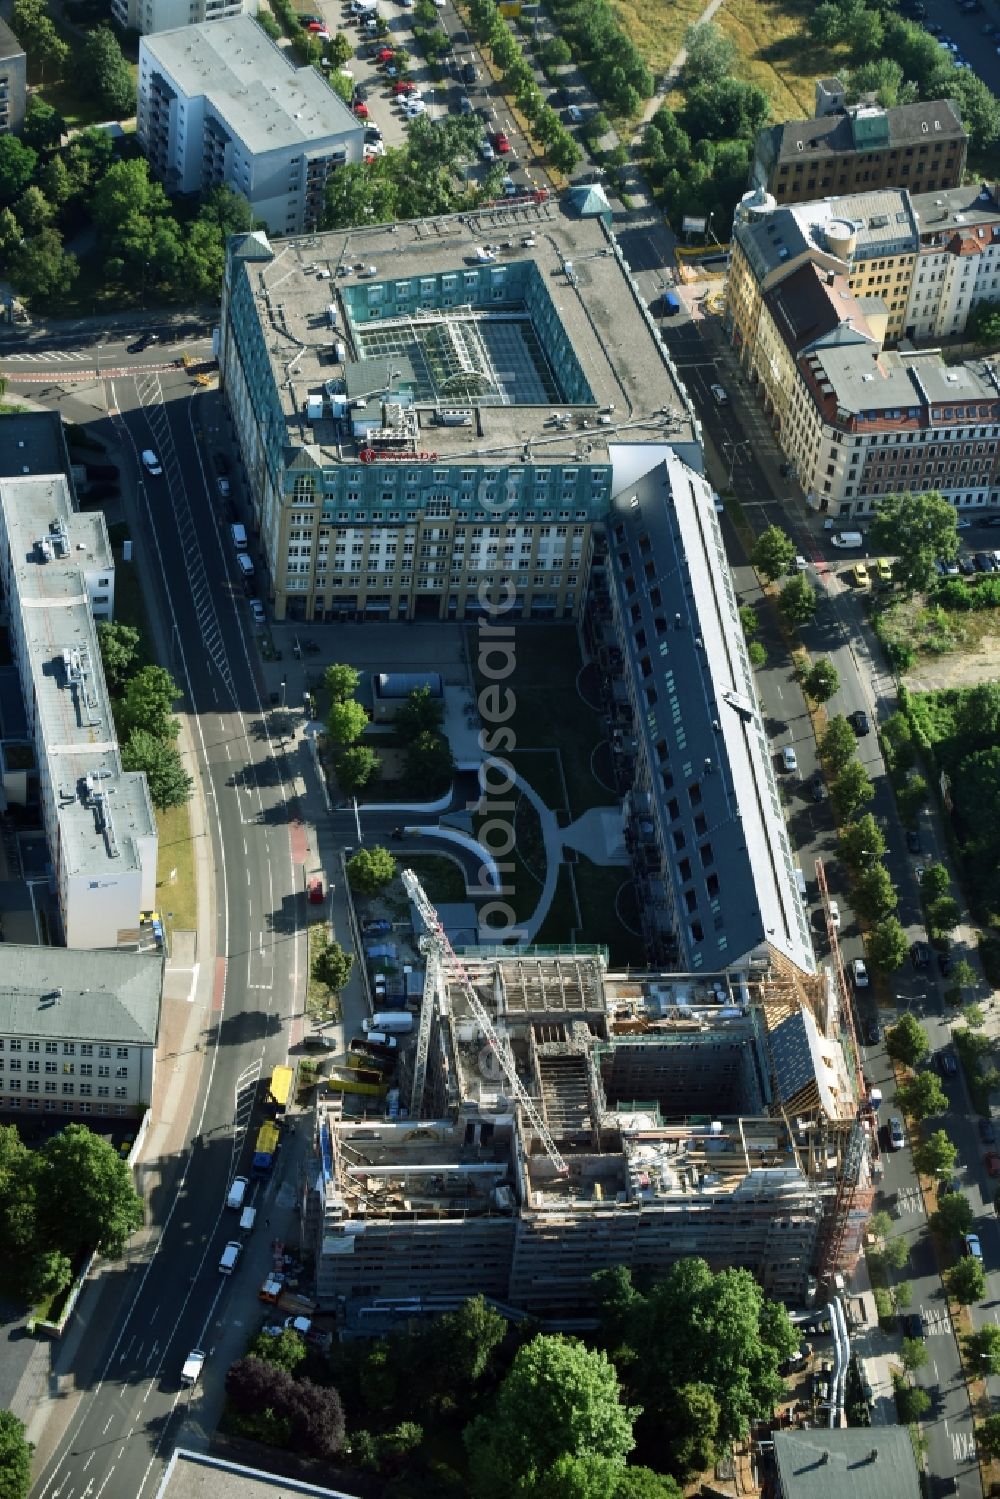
[873, 1462]
[196, 1475]
[9, 44]
[882, 221]
[863, 381]
[263, 98]
[30, 441]
[974, 203]
[544, 252]
[702, 723]
[802, 140]
[74, 727]
[101, 994]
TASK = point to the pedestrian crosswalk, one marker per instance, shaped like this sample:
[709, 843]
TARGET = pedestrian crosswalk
[52, 356]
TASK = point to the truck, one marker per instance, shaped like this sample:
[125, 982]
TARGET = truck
[671, 304]
[390, 1022]
[280, 1091]
[351, 1083]
[365, 1062]
[265, 1150]
[847, 539]
[193, 1365]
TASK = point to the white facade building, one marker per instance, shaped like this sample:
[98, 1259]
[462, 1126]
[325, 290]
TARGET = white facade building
[958, 263]
[57, 576]
[78, 1030]
[221, 104]
[146, 16]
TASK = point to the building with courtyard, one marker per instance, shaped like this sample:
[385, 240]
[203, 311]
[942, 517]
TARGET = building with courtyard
[437, 411]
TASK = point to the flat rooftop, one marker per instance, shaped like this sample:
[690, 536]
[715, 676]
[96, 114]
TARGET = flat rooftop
[971, 206]
[264, 99]
[882, 223]
[31, 442]
[521, 322]
[865, 382]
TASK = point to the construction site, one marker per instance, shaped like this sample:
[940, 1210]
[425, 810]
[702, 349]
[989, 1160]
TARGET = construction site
[563, 1119]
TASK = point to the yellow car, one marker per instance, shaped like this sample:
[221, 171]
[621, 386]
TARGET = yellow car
[859, 575]
[884, 569]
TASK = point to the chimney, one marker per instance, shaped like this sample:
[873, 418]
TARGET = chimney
[873, 1455]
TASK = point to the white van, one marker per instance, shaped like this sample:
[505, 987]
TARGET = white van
[239, 535]
[230, 1257]
[847, 539]
[390, 1022]
[247, 1219]
[244, 564]
[237, 1192]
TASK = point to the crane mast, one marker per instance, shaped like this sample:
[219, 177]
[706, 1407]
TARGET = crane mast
[441, 952]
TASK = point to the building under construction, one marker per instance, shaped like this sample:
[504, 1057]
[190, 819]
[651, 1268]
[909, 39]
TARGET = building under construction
[564, 1119]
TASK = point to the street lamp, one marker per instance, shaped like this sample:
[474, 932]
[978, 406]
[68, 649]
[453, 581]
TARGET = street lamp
[99, 347]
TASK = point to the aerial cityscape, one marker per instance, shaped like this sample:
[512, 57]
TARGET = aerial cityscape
[499, 749]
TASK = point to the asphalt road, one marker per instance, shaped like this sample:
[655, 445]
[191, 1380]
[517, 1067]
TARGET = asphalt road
[131, 1403]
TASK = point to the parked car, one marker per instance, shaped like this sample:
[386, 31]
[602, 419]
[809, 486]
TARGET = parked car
[859, 722]
[574, 114]
[992, 1162]
[257, 612]
[719, 393]
[860, 973]
[987, 1133]
[789, 759]
[834, 910]
[984, 562]
[873, 1032]
[947, 1063]
[316, 1041]
[501, 142]
[486, 151]
[913, 1325]
[818, 787]
[945, 964]
[897, 1136]
[966, 566]
[921, 955]
[377, 928]
[913, 840]
[469, 74]
[972, 1246]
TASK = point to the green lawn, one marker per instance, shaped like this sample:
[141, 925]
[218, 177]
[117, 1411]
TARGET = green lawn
[777, 52]
[177, 898]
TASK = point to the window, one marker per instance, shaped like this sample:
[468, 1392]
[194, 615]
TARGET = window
[69, 1048]
[121, 1092]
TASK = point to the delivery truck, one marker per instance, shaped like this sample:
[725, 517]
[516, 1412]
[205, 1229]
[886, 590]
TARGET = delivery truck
[390, 1022]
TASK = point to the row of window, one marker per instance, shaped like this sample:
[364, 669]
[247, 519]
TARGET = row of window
[69, 1048]
[50, 1106]
[68, 1068]
[72, 1090]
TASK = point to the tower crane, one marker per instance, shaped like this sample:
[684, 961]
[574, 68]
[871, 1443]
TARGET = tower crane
[446, 962]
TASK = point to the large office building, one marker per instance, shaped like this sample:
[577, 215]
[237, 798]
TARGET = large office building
[78, 1031]
[13, 81]
[426, 409]
[704, 825]
[57, 578]
[858, 147]
[146, 16]
[714, 1115]
[221, 104]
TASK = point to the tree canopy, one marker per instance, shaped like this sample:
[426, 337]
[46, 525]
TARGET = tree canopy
[774, 550]
[160, 761]
[15, 1458]
[371, 869]
[907, 1040]
[917, 528]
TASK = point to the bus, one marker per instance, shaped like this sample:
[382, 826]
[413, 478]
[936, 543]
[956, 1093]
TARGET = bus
[280, 1091]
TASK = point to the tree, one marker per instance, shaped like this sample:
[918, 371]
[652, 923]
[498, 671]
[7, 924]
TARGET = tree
[913, 1352]
[169, 783]
[982, 1348]
[893, 1253]
[917, 528]
[952, 1217]
[346, 723]
[967, 1281]
[41, 268]
[988, 1436]
[429, 759]
[838, 745]
[332, 966]
[371, 869]
[17, 167]
[34, 211]
[943, 915]
[822, 680]
[285, 1349]
[421, 713]
[86, 1170]
[711, 57]
[851, 789]
[558, 1399]
[774, 551]
[921, 1096]
[911, 1401]
[15, 1458]
[887, 944]
[911, 796]
[127, 196]
[147, 704]
[341, 681]
[43, 125]
[936, 1156]
[983, 324]
[861, 842]
[355, 768]
[108, 72]
[907, 1041]
[934, 882]
[874, 893]
[119, 648]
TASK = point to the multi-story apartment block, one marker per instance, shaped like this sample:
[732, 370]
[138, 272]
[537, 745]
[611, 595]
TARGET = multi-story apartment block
[958, 261]
[855, 148]
[221, 104]
[428, 410]
[13, 81]
[78, 1031]
[751, 1146]
[865, 423]
[871, 239]
[704, 823]
[146, 16]
[57, 578]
